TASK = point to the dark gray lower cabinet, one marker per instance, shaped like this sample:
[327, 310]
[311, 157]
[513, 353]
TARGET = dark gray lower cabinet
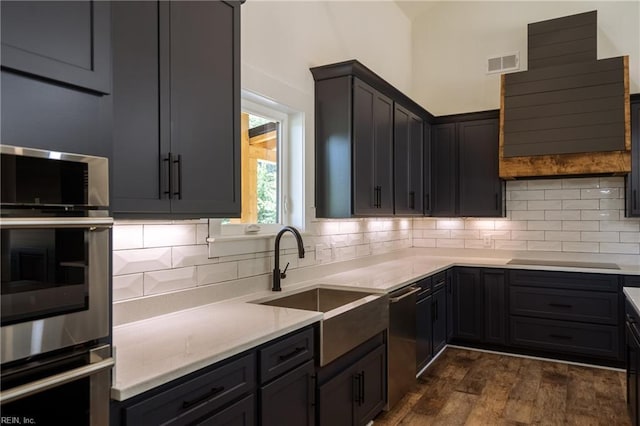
[242, 413]
[632, 338]
[424, 335]
[288, 400]
[357, 393]
[479, 305]
[439, 325]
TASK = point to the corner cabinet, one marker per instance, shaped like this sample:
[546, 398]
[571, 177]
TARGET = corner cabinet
[464, 167]
[369, 145]
[176, 96]
[633, 178]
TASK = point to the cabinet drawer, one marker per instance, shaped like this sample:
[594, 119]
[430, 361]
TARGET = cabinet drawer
[198, 397]
[592, 340]
[439, 280]
[632, 280]
[567, 280]
[587, 306]
[425, 288]
[285, 354]
[241, 413]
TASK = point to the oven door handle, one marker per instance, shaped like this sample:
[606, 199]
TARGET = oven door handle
[57, 222]
[41, 385]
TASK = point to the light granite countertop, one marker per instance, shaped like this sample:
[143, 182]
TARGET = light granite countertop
[157, 350]
[633, 295]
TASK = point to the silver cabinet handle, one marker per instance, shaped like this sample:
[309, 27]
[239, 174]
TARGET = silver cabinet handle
[38, 386]
[414, 290]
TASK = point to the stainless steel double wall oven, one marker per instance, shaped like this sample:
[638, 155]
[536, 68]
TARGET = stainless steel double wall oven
[55, 297]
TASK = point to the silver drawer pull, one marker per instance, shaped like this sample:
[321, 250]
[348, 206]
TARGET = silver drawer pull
[292, 354]
[414, 290]
[213, 392]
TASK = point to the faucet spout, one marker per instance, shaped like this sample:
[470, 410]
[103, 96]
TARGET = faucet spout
[277, 274]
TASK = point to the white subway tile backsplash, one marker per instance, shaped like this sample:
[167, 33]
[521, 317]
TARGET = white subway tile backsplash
[580, 204]
[169, 235]
[527, 235]
[527, 195]
[424, 242]
[516, 205]
[169, 280]
[202, 233]
[142, 260]
[620, 248]
[611, 182]
[510, 245]
[580, 247]
[544, 184]
[450, 243]
[127, 286]
[562, 194]
[580, 225]
[544, 225]
[528, 215]
[581, 183]
[350, 227]
[424, 224]
[211, 274]
[600, 215]
[468, 234]
[496, 235]
[516, 225]
[620, 225]
[513, 185]
[630, 237]
[478, 244]
[479, 224]
[545, 205]
[443, 233]
[612, 204]
[182, 256]
[598, 193]
[562, 215]
[562, 235]
[607, 237]
[250, 267]
[450, 224]
[544, 245]
[127, 237]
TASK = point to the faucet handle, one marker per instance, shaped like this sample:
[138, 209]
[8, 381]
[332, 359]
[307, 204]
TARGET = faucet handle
[283, 274]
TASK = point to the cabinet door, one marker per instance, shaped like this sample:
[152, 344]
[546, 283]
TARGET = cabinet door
[495, 312]
[444, 170]
[372, 151]
[468, 303]
[439, 325]
[64, 41]
[632, 360]
[449, 290]
[633, 179]
[241, 413]
[479, 184]
[408, 157]
[372, 379]
[336, 400]
[205, 109]
[288, 400]
[424, 348]
[137, 145]
[426, 171]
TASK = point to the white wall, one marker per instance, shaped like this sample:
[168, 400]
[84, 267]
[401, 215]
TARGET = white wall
[452, 41]
[282, 40]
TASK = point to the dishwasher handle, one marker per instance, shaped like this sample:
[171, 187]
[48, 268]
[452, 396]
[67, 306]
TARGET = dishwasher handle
[412, 290]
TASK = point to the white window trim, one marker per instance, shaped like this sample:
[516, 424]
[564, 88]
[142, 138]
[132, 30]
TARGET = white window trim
[218, 232]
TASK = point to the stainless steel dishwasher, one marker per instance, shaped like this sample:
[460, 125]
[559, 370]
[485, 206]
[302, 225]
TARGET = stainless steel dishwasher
[401, 369]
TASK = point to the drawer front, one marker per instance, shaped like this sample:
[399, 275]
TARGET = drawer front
[592, 340]
[632, 280]
[587, 306]
[196, 398]
[567, 280]
[439, 280]
[241, 413]
[285, 354]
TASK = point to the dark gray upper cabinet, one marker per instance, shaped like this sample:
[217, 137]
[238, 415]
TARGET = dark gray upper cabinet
[633, 178]
[464, 167]
[372, 151]
[355, 135]
[176, 151]
[63, 41]
[408, 146]
[444, 169]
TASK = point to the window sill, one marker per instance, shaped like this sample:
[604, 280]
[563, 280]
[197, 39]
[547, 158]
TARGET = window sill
[232, 245]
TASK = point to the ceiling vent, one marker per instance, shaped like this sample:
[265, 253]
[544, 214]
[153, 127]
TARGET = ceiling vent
[498, 64]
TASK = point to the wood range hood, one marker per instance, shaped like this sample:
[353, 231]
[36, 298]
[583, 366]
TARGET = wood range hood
[568, 115]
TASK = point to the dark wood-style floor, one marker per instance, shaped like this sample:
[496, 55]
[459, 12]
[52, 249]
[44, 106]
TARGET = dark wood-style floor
[465, 387]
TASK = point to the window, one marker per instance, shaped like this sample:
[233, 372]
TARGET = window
[262, 141]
